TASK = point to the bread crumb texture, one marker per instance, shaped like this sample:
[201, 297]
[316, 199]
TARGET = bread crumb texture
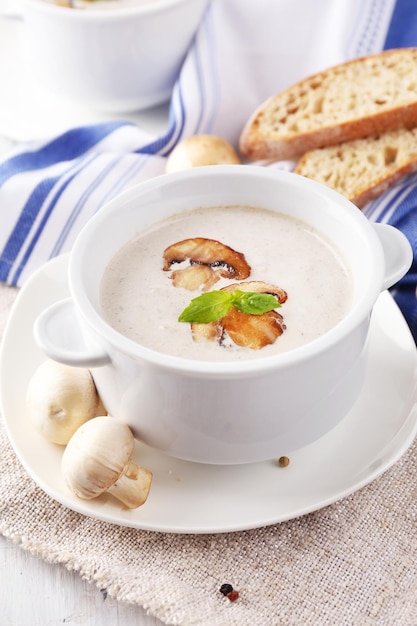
[363, 169]
[349, 101]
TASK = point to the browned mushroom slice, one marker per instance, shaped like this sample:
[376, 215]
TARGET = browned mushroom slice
[259, 286]
[209, 252]
[195, 277]
[212, 331]
[253, 331]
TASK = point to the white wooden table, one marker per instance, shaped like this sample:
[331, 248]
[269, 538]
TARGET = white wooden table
[33, 592]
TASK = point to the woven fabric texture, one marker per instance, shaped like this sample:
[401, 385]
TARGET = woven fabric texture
[353, 562]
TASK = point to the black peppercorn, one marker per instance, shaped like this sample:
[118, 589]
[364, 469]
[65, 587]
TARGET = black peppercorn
[226, 588]
[228, 591]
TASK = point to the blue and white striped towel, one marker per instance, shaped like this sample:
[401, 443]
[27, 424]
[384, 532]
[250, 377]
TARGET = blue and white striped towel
[244, 52]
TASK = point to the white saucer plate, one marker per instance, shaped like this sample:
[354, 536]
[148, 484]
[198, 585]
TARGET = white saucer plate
[192, 498]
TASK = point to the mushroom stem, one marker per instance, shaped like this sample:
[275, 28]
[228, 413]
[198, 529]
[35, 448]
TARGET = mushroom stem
[133, 486]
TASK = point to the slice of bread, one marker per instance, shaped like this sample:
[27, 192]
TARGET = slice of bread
[366, 96]
[363, 169]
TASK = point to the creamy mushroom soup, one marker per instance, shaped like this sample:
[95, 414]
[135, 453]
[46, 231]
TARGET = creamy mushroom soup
[153, 278]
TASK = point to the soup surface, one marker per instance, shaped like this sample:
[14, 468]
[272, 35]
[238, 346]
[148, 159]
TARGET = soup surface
[144, 288]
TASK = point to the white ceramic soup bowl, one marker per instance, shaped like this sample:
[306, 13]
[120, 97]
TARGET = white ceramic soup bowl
[225, 412]
[114, 60]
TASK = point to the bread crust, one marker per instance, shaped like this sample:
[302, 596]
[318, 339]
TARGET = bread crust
[363, 169]
[385, 182]
[266, 138]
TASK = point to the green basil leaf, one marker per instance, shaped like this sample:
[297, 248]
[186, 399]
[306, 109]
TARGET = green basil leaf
[253, 303]
[208, 307]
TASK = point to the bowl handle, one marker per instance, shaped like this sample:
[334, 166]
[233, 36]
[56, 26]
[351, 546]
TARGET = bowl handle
[58, 333]
[398, 253]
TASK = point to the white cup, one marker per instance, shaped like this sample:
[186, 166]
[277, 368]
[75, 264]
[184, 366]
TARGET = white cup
[225, 412]
[114, 60]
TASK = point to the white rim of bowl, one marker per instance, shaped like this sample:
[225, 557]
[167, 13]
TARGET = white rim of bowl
[148, 7]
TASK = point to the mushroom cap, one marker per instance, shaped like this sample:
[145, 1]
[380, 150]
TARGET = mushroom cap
[59, 399]
[259, 286]
[200, 150]
[97, 455]
[231, 263]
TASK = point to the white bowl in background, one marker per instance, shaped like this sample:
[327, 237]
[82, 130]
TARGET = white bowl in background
[114, 60]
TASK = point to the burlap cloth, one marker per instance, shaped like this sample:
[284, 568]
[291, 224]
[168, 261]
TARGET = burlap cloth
[352, 563]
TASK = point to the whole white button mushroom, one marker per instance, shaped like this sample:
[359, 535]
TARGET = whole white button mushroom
[97, 459]
[199, 150]
[60, 398]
